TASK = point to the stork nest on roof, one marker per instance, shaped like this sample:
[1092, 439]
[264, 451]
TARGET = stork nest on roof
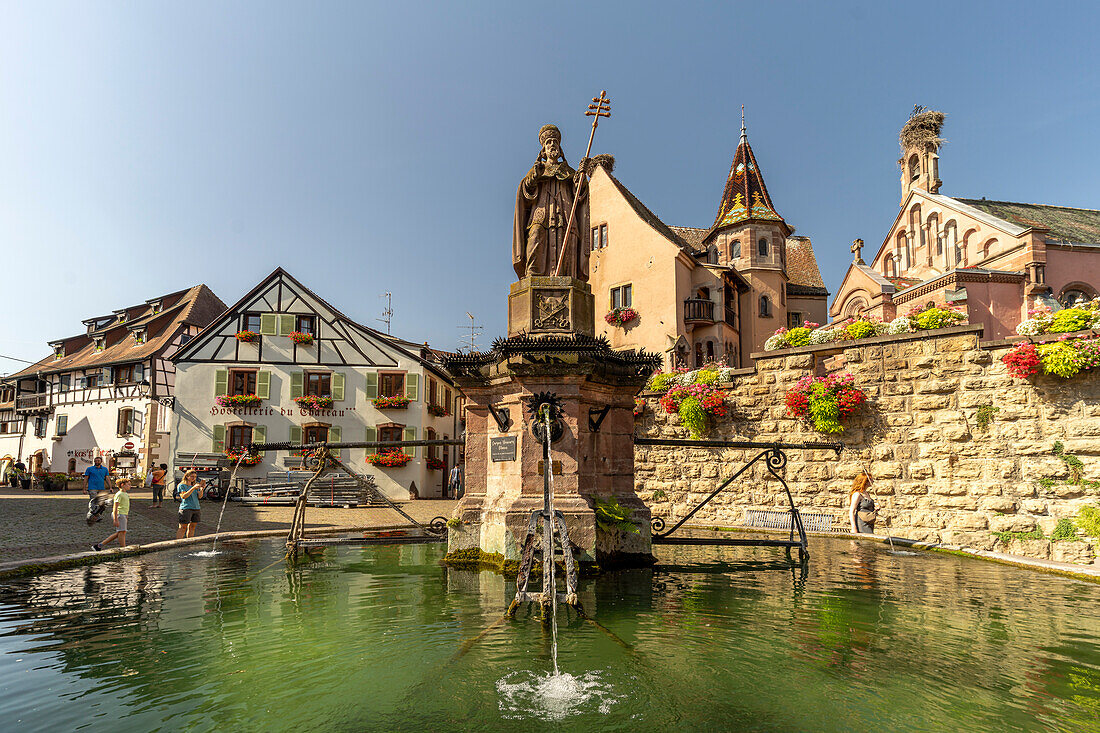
[922, 130]
[607, 160]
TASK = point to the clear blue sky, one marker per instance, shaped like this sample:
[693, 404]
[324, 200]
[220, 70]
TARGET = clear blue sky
[149, 146]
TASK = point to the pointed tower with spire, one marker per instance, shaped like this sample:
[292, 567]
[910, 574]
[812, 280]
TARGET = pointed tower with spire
[751, 236]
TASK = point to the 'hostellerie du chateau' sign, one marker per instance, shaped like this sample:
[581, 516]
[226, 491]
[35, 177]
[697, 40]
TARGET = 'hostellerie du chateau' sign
[286, 411]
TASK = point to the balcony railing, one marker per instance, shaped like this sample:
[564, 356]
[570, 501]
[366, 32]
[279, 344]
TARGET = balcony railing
[697, 310]
[32, 402]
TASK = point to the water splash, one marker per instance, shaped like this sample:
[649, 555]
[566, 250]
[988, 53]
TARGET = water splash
[554, 696]
[550, 549]
[206, 553]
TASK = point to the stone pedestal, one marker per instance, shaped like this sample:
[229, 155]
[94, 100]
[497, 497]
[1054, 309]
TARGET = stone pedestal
[593, 460]
[552, 306]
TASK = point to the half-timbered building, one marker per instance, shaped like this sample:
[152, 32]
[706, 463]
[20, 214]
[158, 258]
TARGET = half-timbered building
[282, 364]
[106, 391]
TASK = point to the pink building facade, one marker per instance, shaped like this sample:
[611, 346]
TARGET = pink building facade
[996, 259]
[701, 294]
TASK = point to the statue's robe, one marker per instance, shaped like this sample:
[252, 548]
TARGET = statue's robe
[541, 218]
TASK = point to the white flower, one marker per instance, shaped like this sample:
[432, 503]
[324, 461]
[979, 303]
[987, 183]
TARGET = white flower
[1030, 327]
[900, 325]
[725, 374]
[775, 342]
[822, 336]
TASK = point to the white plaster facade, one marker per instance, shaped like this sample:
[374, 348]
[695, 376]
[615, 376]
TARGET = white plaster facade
[358, 362]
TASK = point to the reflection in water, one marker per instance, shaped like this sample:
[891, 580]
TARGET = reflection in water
[368, 638]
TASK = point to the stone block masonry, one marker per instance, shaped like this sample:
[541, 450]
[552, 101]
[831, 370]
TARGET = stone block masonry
[960, 452]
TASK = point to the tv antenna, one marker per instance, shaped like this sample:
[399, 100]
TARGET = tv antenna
[387, 313]
[469, 341]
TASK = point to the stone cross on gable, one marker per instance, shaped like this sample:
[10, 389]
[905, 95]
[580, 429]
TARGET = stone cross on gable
[857, 249]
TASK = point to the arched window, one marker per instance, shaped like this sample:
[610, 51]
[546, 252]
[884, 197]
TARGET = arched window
[1076, 294]
[765, 306]
[915, 226]
[954, 249]
[762, 247]
[735, 249]
[889, 267]
[914, 168]
[710, 351]
[902, 250]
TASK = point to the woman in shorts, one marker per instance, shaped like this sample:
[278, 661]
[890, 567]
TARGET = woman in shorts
[190, 490]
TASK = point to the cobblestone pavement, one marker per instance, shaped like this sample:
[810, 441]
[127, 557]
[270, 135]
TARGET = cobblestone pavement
[42, 524]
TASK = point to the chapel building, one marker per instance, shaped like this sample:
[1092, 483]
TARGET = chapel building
[996, 259]
[701, 294]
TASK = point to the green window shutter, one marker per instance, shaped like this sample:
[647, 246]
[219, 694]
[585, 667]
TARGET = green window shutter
[334, 434]
[412, 386]
[263, 385]
[337, 386]
[295, 433]
[286, 323]
[410, 434]
[268, 324]
[259, 434]
[296, 381]
[219, 438]
[370, 436]
[372, 384]
[221, 382]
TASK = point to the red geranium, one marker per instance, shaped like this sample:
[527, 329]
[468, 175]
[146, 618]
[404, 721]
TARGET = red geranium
[1022, 361]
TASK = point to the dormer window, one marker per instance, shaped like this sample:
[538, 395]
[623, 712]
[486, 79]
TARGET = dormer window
[59, 351]
[155, 307]
[139, 336]
[98, 343]
[122, 317]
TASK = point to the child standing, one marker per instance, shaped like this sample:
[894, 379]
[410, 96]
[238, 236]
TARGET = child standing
[120, 513]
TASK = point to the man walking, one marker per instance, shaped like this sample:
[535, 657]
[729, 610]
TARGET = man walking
[454, 483]
[96, 481]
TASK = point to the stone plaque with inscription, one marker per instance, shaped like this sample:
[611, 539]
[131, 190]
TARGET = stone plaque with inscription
[502, 448]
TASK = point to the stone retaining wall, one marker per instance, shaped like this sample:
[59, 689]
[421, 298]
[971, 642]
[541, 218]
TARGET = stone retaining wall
[938, 476]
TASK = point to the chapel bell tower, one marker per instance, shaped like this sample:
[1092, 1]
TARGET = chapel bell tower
[920, 143]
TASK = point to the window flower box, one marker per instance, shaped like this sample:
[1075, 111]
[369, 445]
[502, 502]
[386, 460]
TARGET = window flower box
[397, 402]
[302, 339]
[437, 411]
[248, 337]
[313, 402]
[388, 459]
[238, 400]
[620, 316]
[435, 464]
[250, 459]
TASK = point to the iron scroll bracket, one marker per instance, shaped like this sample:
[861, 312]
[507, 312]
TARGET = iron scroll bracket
[596, 416]
[502, 417]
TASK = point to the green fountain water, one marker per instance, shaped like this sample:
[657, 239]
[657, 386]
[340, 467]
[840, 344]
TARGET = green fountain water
[721, 639]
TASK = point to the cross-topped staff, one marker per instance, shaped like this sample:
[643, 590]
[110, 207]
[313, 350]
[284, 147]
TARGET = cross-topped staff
[600, 107]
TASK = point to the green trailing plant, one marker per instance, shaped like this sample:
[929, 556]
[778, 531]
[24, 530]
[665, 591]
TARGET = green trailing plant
[1046, 483]
[1088, 519]
[708, 377]
[1070, 320]
[985, 416]
[798, 336]
[1006, 537]
[1061, 358]
[454, 523]
[611, 516]
[1073, 463]
[660, 382]
[658, 495]
[860, 329]
[1064, 531]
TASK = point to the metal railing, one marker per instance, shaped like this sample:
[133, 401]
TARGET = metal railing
[698, 309]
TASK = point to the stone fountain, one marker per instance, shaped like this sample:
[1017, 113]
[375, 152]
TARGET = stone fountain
[551, 349]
